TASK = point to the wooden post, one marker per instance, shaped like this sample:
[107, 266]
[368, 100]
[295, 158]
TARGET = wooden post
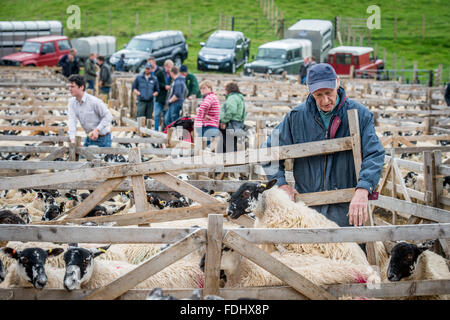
[61, 133]
[109, 21]
[220, 21]
[213, 254]
[394, 191]
[141, 123]
[73, 156]
[139, 192]
[429, 179]
[423, 28]
[189, 25]
[395, 27]
[352, 71]
[123, 114]
[394, 65]
[385, 55]
[439, 76]
[349, 32]
[353, 124]
[415, 78]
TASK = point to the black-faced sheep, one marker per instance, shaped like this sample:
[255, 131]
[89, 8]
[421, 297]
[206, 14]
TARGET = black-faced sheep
[181, 274]
[29, 267]
[415, 262]
[274, 209]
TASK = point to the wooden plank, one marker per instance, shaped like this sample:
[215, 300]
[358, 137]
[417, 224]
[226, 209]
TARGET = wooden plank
[421, 149]
[149, 216]
[204, 161]
[59, 153]
[148, 268]
[274, 266]
[184, 188]
[326, 197]
[213, 254]
[93, 199]
[415, 209]
[382, 290]
[43, 165]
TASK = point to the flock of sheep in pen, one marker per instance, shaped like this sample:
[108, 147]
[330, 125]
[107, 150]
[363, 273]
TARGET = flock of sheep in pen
[89, 266]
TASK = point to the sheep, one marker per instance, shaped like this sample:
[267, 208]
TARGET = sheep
[241, 272]
[274, 209]
[84, 271]
[414, 181]
[8, 217]
[415, 262]
[29, 268]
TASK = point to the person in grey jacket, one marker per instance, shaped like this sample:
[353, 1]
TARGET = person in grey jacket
[90, 71]
[104, 78]
[324, 116]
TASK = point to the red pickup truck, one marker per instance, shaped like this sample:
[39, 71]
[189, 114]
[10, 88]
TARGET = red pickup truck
[42, 51]
[362, 59]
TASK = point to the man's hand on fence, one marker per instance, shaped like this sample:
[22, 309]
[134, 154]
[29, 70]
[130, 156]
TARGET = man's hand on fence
[289, 190]
[358, 212]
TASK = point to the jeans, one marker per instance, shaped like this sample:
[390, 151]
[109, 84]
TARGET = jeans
[105, 90]
[209, 132]
[104, 141]
[173, 113]
[145, 109]
[90, 84]
[158, 112]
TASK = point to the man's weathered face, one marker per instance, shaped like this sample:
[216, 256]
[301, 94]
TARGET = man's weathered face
[147, 71]
[168, 67]
[326, 98]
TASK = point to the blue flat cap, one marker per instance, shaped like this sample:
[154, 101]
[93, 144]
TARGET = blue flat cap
[183, 68]
[321, 75]
[148, 66]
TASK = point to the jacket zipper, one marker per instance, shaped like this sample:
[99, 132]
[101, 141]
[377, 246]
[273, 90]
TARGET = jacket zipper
[325, 161]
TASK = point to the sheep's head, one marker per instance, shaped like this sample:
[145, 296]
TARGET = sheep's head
[52, 211]
[243, 201]
[80, 265]
[30, 263]
[404, 258]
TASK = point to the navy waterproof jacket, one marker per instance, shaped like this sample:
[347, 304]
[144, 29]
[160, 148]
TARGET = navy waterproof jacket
[146, 87]
[333, 171]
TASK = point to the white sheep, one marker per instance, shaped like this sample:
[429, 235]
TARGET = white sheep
[241, 272]
[274, 209]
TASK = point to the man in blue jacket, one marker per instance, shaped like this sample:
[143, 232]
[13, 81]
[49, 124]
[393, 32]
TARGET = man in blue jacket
[145, 86]
[176, 96]
[324, 116]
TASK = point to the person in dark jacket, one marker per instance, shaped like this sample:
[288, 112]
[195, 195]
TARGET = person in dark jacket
[70, 63]
[164, 82]
[120, 65]
[90, 71]
[104, 79]
[146, 87]
[447, 94]
[176, 95]
[191, 83]
[324, 116]
[303, 69]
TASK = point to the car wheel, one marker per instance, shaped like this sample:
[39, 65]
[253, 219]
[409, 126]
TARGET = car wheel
[233, 67]
[177, 61]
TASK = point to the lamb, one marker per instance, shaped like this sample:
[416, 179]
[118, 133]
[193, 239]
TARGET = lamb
[29, 268]
[415, 262]
[241, 272]
[274, 209]
[83, 270]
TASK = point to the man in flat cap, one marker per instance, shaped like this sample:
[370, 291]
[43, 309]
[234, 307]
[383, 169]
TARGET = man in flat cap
[145, 87]
[324, 116]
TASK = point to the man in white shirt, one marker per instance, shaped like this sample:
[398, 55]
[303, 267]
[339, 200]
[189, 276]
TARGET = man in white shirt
[92, 113]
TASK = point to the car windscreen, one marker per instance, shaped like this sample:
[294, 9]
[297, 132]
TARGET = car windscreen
[269, 53]
[220, 43]
[140, 45]
[31, 47]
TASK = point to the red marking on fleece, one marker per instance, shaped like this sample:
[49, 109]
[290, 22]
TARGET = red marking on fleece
[360, 278]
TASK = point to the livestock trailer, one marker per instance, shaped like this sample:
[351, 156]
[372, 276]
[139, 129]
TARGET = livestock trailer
[320, 32]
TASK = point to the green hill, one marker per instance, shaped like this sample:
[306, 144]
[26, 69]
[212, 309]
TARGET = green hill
[125, 18]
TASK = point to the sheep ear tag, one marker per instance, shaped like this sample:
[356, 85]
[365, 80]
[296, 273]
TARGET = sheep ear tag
[54, 252]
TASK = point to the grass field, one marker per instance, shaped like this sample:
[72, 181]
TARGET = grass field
[119, 18]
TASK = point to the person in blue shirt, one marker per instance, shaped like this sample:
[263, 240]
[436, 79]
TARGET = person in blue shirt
[120, 65]
[324, 116]
[176, 95]
[145, 87]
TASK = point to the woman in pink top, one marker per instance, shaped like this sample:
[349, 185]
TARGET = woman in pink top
[207, 119]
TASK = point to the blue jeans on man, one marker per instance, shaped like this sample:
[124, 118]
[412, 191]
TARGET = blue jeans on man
[145, 109]
[173, 113]
[159, 110]
[102, 141]
[105, 90]
[90, 84]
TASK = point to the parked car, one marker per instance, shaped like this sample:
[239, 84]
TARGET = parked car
[278, 56]
[362, 58]
[320, 32]
[42, 51]
[162, 45]
[224, 50]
